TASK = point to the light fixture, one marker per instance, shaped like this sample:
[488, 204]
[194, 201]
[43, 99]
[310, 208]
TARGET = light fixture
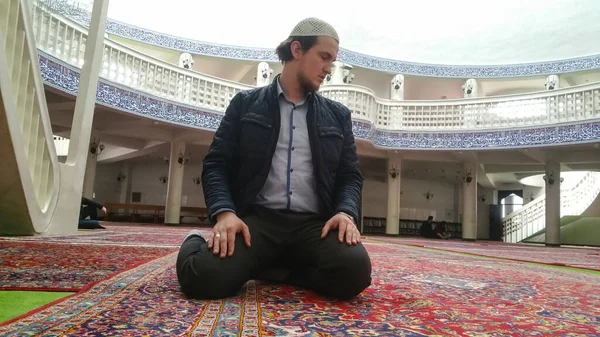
[468, 177]
[549, 178]
[183, 159]
[96, 148]
[428, 195]
[121, 177]
[196, 180]
[394, 172]
[163, 179]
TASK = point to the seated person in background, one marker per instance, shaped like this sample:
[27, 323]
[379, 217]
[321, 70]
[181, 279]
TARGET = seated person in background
[282, 185]
[441, 230]
[89, 209]
[427, 228]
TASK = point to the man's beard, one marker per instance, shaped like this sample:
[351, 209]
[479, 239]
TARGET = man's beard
[306, 85]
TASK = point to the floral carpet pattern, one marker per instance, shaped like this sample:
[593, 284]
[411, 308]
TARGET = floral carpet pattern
[580, 257]
[47, 266]
[415, 292]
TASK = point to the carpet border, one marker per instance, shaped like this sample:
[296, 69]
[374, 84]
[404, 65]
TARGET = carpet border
[556, 264]
[76, 291]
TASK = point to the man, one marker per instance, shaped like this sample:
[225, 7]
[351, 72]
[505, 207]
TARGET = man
[89, 209]
[441, 231]
[427, 228]
[282, 185]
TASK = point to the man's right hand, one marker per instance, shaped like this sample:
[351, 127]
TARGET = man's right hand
[222, 242]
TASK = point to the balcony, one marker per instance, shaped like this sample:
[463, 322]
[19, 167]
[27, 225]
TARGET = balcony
[140, 84]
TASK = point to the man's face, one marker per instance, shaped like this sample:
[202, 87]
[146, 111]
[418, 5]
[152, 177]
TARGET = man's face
[315, 63]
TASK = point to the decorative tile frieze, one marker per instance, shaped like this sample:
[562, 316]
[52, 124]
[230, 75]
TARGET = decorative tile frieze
[356, 59]
[66, 78]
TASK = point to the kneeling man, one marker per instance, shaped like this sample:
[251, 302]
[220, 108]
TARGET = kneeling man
[282, 185]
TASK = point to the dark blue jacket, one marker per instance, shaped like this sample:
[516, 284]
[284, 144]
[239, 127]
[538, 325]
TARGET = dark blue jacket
[239, 158]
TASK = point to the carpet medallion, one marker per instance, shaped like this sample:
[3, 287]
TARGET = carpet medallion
[415, 292]
[37, 265]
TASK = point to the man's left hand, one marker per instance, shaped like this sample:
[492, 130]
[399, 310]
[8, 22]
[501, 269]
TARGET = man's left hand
[347, 229]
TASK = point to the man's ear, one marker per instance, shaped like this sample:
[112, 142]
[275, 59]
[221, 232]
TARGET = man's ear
[296, 49]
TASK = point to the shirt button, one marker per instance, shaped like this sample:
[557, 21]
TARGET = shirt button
[293, 148]
[291, 170]
[290, 192]
[294, 127]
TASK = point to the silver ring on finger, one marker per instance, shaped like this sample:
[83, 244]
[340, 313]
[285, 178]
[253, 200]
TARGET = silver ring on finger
[218, 235]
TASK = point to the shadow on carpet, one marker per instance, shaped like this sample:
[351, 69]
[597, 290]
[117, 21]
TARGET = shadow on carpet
[415, 292]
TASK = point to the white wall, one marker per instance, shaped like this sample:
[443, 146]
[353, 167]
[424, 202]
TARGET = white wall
[144, 179]
[529, 190]
[106, 185]
[446, 203]
[426, 88]
[483, 212]
[379, 82]
[443, 202]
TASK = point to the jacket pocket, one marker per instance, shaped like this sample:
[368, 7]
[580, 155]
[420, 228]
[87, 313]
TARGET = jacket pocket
[255, 135]
[331, 142]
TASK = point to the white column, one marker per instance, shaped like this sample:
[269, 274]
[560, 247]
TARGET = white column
[173, 205]
[125, 184]
[89, 179]
[552, 204]
[83, 115]
[73, 171]
[469, 223]
[394, 169]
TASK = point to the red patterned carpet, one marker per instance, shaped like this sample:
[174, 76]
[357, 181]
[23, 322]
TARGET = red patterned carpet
[123, 235]
[415, 292]
[48, 266]
[588, 258]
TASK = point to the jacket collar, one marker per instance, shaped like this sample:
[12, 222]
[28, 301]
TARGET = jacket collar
[278, 91]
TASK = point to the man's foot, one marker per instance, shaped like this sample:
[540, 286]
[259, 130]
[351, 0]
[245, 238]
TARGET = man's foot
[101, 227]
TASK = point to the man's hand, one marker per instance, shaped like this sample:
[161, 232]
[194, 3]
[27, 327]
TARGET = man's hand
[222, 241]
[103, 211]
[347, 229]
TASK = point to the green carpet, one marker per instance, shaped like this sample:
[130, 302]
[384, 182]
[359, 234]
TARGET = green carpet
[17, 303]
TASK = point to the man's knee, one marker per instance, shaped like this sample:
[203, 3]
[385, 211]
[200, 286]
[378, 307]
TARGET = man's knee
[356, 271]
[202, 280]
[350, 273]
[203, 275]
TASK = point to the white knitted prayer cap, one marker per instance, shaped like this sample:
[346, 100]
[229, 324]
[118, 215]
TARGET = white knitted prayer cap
[314, 27]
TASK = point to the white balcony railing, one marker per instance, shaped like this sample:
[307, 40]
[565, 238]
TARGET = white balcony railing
[531, 218]
[65, 39]
[28, 144]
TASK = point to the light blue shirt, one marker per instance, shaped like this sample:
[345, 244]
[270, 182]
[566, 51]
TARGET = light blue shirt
[291, 182]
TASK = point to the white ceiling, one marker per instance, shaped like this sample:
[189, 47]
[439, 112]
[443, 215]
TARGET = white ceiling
[427, 31]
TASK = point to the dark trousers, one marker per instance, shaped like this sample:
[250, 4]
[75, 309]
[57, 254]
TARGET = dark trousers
[278, 240]
[92, 213]
[88, 211]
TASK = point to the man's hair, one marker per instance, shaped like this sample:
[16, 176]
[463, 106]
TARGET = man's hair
[430, 218]
[284, 50]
